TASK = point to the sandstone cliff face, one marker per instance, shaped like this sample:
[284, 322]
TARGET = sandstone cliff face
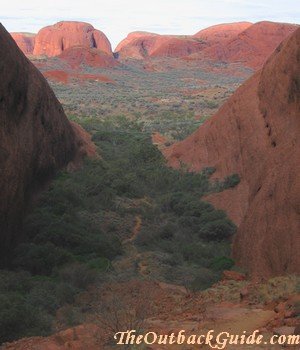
[36, 138]
[25, 41]
[53, 40]
[253, 45]
[256, 134]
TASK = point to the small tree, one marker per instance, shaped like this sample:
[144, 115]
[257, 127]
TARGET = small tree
[124, 306]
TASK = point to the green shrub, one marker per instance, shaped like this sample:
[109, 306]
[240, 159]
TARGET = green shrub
[19, 319]
[218, 230]
[78, 275]
[43, 296]
[40, 258]
[231, 181]
[19, 282]
[222, 263]
[205, 279]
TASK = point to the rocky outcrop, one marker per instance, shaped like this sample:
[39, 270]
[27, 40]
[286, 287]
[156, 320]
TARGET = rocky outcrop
[240, 42]
[82, 56]
[220, 33]
[36, 139]
[252, 46]
[25, 41]
[54, 39]
[256, 134]
[175, 46]
[139, 45]
[136, 45]
[132, 37]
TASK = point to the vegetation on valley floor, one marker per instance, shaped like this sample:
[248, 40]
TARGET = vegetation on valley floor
[75, 233]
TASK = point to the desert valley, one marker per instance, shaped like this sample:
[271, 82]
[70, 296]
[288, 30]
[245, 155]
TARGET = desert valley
[152, 187]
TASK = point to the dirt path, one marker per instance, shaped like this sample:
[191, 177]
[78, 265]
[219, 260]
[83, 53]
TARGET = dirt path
[136, 230]
[132, 258]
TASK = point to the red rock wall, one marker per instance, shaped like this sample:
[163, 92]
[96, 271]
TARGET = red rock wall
[252, 46]
[36, 138]
[256, 134]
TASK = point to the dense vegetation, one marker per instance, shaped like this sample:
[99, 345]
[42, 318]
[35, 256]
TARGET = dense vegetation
[76, 232]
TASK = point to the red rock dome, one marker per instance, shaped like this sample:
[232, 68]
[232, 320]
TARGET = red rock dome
[54, 39]
[25, 41]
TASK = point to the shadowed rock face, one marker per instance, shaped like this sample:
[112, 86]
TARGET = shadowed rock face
[25, 42]
[256, 134]
[36, 138]
[53, 40]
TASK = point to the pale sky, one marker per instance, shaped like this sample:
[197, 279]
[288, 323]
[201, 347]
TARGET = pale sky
[117, 18]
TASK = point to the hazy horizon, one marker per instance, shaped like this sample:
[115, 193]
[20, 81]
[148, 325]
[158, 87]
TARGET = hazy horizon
[116, 18]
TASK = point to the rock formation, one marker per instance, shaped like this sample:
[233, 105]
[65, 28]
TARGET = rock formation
[137, 45]
[36, 139]
[54, 39]
[256, 134]
[25, 41]
[252, 46]
[132, 37]
[140, 45]
[240, 42]
[175, 46]
[79, 55]
[219, 33]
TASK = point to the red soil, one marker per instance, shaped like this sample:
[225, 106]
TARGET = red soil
[64, 77]
[57, 75]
